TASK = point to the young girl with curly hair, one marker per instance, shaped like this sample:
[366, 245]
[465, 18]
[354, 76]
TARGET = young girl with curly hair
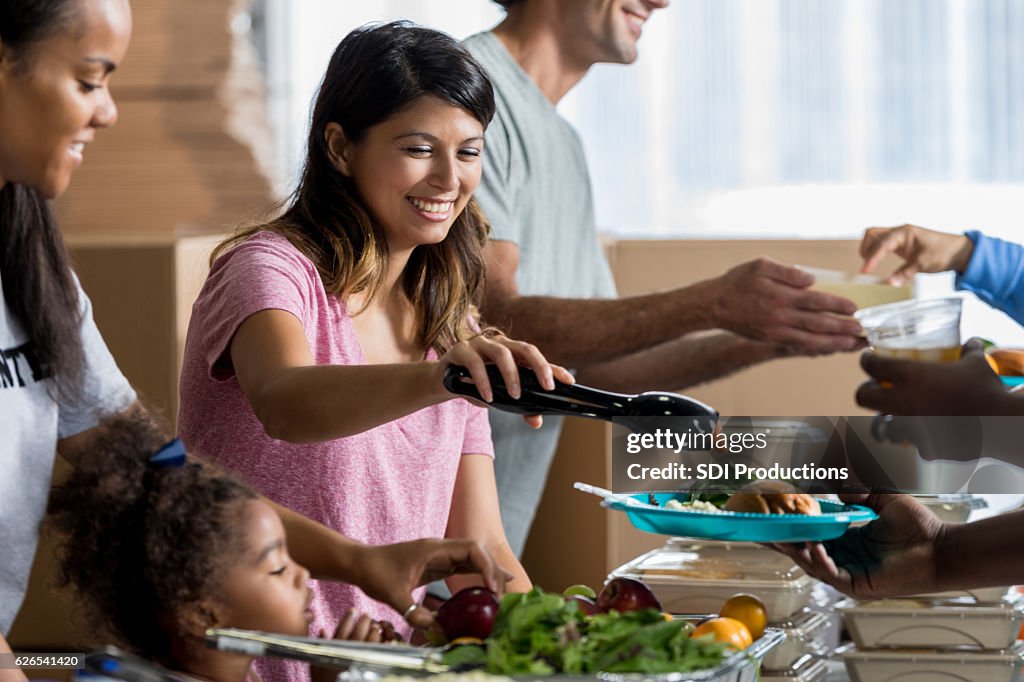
[160, 549]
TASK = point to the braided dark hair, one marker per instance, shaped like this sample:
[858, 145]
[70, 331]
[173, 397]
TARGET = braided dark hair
[143, 543]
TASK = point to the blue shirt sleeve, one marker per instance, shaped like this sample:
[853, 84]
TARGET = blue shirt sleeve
[995, 274]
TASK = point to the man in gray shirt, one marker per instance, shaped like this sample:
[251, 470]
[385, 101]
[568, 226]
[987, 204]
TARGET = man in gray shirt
[547, 279]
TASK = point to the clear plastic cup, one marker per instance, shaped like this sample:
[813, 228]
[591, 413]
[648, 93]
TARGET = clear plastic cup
[926, 330]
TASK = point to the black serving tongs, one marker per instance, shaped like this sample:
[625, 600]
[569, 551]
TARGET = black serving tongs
[579, 401]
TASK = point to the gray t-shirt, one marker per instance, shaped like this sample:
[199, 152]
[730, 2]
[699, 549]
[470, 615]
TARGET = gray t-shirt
[535, 192]
[32, 422]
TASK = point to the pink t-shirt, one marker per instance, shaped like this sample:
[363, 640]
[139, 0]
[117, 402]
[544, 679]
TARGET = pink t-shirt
[389, 484]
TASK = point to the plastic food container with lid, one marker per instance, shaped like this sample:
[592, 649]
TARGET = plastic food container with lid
[806, 669]
[926, 666]
[864, 290]
[698, 577]
[953, 508]
[933, 624]
[806, 633]
[979, 595]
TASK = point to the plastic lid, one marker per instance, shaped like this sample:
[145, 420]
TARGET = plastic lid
[1014, 655]
[779, 430]
[716, 563]
[806, 669]
[959, 607]
[803, 624]
[977, 595]
[839, 276]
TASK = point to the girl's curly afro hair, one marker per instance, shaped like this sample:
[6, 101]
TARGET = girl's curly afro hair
[142, 542]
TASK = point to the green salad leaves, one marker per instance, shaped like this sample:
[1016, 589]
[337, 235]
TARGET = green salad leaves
[540, 633]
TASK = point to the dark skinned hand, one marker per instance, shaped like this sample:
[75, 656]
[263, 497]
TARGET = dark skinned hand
[967, 387]
[895, 555]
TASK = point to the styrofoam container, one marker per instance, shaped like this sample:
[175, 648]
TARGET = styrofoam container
[934, 666]
[699, 577]
[932, 624]
[806, 669]
[806, 633]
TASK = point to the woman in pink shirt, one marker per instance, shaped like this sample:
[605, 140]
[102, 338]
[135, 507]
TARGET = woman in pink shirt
[315, 355]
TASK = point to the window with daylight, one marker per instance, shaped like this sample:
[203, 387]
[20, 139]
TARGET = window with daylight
[811, 118]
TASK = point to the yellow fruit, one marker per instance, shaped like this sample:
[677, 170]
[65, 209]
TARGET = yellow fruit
[726, 630]
[464, 641]
[748, 610]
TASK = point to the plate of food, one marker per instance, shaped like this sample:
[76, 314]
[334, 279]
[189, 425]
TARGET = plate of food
[763, 511]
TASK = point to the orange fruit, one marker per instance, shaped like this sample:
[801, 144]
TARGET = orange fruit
[1006, 361]
[466, 641]
[748, 610]
[992, 363]
[726, 630]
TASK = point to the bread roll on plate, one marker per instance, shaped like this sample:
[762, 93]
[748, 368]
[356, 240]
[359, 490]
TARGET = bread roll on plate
[772, 497]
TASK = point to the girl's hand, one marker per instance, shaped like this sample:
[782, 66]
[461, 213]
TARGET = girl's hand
[355, 628]
[476, 353]
[362, 628]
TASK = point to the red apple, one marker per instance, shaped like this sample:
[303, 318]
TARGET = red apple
[469, 613]
[626, 594]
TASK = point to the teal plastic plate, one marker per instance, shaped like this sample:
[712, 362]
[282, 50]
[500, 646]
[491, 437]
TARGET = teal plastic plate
[1012, 381]
[741, 527]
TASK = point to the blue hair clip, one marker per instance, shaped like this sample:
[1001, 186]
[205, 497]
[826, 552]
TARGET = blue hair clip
[170, 455]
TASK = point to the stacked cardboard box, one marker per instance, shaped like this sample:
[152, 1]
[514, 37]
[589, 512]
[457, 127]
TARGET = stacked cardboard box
[191, 144]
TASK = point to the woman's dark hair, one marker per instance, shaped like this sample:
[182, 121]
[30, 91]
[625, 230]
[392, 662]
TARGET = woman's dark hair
[377, 71]
[508, 3]
[35, 270]
[143, 543]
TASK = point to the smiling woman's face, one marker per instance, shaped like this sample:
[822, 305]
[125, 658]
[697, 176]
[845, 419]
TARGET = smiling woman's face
[416, 171]
[55, 96]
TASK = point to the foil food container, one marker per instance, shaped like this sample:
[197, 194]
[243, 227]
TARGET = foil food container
[372, 662]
